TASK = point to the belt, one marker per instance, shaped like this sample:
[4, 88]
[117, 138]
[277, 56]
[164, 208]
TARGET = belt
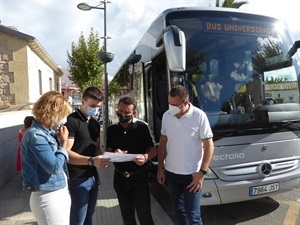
[128, 174]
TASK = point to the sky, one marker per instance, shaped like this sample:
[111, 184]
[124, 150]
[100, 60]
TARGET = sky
[57, 23]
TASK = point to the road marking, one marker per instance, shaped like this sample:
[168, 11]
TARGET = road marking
[292, 213]
[107, 203]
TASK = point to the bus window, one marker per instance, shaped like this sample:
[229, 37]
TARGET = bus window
[177, 80]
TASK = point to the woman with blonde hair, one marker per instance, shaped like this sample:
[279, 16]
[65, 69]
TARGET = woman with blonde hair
[44, 158]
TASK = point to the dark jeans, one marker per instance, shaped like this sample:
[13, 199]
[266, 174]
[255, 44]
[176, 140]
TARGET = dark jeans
[186, 203]
[84, 192]
[134, 194]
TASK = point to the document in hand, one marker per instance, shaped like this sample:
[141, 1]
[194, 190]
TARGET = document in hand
[117, 157]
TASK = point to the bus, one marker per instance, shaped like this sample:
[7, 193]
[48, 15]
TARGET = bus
[243, 70]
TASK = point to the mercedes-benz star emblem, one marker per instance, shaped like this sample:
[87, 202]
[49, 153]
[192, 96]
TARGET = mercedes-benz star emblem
[265, 168]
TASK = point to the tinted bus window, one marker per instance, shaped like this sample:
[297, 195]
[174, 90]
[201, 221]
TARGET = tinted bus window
[227, 72]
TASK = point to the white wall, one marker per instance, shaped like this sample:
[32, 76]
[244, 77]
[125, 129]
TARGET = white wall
[285, 94]
[34, 65]
[10, 124]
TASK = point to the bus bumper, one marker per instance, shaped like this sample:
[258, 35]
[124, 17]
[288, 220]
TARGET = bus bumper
[230, 192]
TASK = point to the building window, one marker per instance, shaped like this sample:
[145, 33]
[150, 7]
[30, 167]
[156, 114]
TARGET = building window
[50, 84]
[40, 82]
[57, 86]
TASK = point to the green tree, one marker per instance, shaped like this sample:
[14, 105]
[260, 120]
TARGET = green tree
[231, 4]
[85, 67]
[276, 80]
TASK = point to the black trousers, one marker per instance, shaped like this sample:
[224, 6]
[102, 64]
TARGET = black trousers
[134, 194]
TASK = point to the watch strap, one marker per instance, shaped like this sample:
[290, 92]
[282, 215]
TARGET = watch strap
[204, 172]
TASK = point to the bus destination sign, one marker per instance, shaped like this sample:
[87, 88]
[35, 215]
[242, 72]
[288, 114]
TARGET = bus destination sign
[238, 27]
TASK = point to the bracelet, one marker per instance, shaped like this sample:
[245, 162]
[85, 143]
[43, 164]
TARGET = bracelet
[146, 158]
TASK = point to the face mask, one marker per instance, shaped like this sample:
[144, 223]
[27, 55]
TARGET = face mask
[124, 119]
[173, 110]
[59, 123]
[90, 111]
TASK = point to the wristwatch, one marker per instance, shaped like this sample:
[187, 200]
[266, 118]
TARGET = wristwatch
[204, 172]
[146, 158]
[90, 161]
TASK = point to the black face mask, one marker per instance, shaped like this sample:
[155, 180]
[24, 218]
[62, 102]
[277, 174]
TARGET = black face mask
[124, 119]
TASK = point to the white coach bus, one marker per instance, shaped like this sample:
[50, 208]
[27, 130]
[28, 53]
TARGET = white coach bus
[243, 70]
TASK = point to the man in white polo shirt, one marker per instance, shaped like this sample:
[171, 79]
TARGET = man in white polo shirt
[185, 151]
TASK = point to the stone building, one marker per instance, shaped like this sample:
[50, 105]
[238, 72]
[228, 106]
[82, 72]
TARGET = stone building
[26, 70]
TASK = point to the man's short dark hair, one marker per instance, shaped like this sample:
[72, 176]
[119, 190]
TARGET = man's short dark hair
[94, 93]
[180, 91]
[128, 101]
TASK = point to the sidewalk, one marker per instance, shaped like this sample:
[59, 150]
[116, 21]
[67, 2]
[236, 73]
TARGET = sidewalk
[14, 204]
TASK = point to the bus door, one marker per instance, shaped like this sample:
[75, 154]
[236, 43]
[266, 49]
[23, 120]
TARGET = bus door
[160, 88]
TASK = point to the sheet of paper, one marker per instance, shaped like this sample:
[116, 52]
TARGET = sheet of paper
[115, 157]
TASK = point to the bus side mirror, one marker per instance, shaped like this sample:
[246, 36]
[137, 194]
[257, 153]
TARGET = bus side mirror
[294, 48]
[175, 46]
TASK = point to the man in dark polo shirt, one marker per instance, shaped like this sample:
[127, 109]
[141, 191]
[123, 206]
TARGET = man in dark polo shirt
[131, 181]
[84, 156]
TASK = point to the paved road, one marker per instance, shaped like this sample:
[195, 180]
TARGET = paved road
[14, 207]
[281, 209]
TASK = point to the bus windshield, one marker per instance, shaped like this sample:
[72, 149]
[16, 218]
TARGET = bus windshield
[238, 69]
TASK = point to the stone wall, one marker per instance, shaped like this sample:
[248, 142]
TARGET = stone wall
[6, 77]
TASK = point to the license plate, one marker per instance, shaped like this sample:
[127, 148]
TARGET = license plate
[263, 189]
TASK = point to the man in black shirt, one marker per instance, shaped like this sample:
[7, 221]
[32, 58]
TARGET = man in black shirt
[84, 156]
[131, 181]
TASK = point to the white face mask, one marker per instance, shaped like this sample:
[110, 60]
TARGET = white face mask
[90, 111]
[59, 123]
[173, 110]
